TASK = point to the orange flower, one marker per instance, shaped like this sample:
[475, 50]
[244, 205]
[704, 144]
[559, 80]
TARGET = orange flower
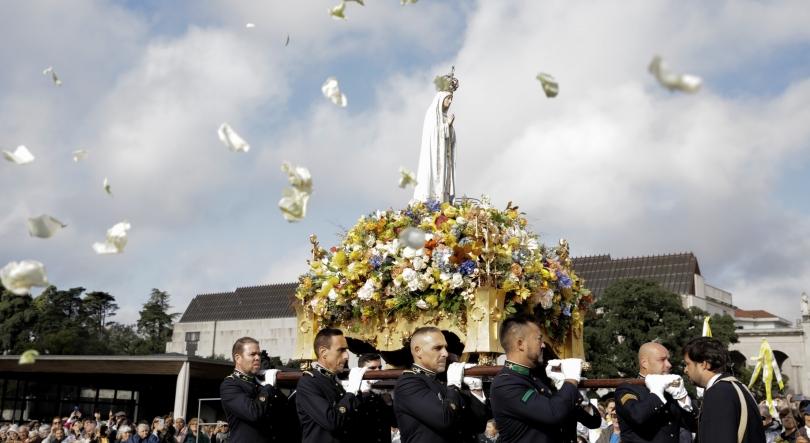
[469, 252]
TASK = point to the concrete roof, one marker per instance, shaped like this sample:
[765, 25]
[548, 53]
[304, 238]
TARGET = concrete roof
[674, 272]
[266, 301]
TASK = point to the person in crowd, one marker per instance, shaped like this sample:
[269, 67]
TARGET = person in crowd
[523, 405]
[13, 433]
[164, 432]
[222, 433]
[490, 434]
[44, 431]
[3, 432]
[143, 435]
[328, 411]
[75, 432]
[728, 409]
[102, 434]
[123, 434]
[773, 429]
[180, 430]
[656, 411]
[376, 412]
[196, 435]
[790, 420]
[420, 417]
[118, 420]
[254, 407]
[395, 436]
[23, 433]
[613, 435]
[57, 436]
[88, 431]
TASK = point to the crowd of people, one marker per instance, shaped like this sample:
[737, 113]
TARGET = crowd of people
[118, 428]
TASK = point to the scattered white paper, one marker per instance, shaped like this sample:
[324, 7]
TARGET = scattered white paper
[250, 25]
[80, 155]
[413, 238]
[19, 277]
[331, 90]
[44, 226]
[231, 139]
[293, 204]
[337, 11]
[56, 80]
[406, 178]
[21, 155]
[299, 177]
[686, 83]
[29, 357]
[107, 187]
[405, 2]
[550, 86]
[116, 240]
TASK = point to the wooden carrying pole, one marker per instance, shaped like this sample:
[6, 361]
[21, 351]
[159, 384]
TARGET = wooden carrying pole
[290, 379]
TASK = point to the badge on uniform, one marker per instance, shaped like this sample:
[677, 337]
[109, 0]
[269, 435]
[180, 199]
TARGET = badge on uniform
[440, 397]
[262, 399]
[342, 409]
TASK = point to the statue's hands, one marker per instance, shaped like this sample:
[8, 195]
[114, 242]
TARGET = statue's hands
[451, 119]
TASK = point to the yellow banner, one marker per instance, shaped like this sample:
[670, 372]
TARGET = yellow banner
[767, 363]
[707, 330]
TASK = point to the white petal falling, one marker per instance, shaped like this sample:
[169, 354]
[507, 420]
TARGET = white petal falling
[231, 139]
[19, 277]
[56, 80]
[107, 187]
[299, 177]
[337, 11]
[441, 83]
[685, 83]
[115, 241]
[80, 155]
[288, 40]
[44, 226]
[21, 155]
[357, 1]
[413, 237]
[331, 90]
[250, 25]
[293, 204]
[405, 2]
[29, 357]
[406, 178]
[550, 86]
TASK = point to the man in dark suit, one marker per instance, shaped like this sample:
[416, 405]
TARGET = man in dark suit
[253, 406]
[376, 413]
[657, 411]
[523, 405]
[327, 411]
[729, 413]
[427, 410]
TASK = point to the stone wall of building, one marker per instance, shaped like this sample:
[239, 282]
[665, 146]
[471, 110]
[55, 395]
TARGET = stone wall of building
[275, 335]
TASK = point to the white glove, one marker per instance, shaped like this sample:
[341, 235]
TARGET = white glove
[455, 374]
[269, 377]
[657, 384]
[677, 392]
[558, 378]
[355, 379]
[572, 368]
[584, 394]
[474, 383]
[345, 384]
[365, 386]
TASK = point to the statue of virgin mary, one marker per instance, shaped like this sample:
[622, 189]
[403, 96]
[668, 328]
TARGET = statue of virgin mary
[437, 159]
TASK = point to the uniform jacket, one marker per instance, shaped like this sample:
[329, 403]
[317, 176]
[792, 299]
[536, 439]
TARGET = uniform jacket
[526, 411]
[375, 420]
[428, 411]
[720, 415]
[252, 410]
[643, 417]
[327, 412]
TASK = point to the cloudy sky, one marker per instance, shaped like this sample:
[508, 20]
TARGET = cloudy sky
[616, 164]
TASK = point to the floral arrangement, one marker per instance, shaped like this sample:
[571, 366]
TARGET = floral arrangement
[373, 273]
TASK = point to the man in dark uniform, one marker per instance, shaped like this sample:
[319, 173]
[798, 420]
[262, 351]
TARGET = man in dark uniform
[427, 410]
[252, 405]
[376, 413]
[729, 413]
[524, 408]
[327, 411]
[657, 411]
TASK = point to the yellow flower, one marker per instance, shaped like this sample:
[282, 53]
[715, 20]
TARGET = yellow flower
[390, 303]
[307, 282]
[450, 211]
[355, 254]
[339, 260]
[522, 221]
[545, 274]
[370, 226]
[432, 301]
[512, 214]
[514, 241]
[524, 293]
[508, 285]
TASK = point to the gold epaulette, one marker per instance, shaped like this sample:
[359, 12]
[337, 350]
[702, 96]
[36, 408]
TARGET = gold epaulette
[408, 372]
[230, 376]
[308, 373]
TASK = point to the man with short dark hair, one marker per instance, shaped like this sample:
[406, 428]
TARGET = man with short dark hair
[656, 411]
[729, 413]
[253, 404]
[376, 413]
[524, 408]
[327, 411]
[428, 411]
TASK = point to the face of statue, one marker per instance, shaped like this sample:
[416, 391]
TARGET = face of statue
[447, 102]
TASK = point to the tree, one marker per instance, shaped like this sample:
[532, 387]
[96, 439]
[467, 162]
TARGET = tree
[155, 323]
[123, 339]
[636, 311]
[97, 307]
[19, 317]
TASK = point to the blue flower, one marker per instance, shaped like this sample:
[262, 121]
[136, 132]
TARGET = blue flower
[566, 311]
[467, 268]
[410, 214]
[433, 205]
[565, 281]
[375, 262]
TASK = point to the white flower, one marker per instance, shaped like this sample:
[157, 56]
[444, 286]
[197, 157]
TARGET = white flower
[421, 284]
[19, 277]
[21, 155]
[56, 80]
[458, 280]
[44, 226]
[422, 304]
[313, 303]
[413, 238]
[80, 155]
[337, 11]
[686, 83]
[293, 204]
[419, 263]
[371, 241]
[231, 139]
[331, 90]
[406, 178]
[550, 86]
[414, 285]
[299, 177]
[106, 185]
[28, 357]
[532, 245]
[413, 202]
[353, 302]
[366, 291]
[332, 295]
[444, 276]
[409, 275]
[116, 240]
[250, 25]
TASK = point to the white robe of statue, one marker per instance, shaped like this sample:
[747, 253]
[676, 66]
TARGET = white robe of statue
[437, 160]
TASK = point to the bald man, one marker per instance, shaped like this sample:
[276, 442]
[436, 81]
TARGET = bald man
[654, 412]
[427, 410]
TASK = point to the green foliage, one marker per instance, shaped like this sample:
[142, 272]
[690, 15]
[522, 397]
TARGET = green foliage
[155, 324]
[222, 357]
[19, 316]
[636, 311]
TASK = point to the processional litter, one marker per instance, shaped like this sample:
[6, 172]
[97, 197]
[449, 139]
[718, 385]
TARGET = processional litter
[475, 265]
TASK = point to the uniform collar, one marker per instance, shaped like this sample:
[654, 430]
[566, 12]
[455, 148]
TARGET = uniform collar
[420, 370]
[325, 372]
[242, 376]
[520, 369]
